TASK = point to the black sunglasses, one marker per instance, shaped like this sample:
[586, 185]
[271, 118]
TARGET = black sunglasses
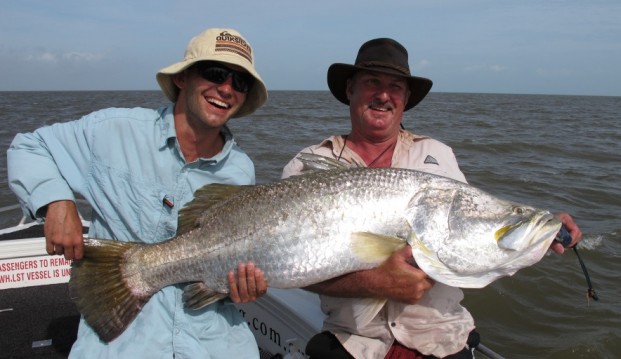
[217, 73]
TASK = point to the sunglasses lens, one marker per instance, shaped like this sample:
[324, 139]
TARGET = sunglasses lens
[242, 82]
[213, 72]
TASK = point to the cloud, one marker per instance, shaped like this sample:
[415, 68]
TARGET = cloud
[46, 57]
[422, 64]
[498, 68]
[74, 57]
[486, 68]
[473, 68]
[82, 56]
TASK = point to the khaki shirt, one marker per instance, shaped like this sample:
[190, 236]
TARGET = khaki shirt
[437, 325]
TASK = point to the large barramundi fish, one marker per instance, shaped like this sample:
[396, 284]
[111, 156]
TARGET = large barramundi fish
[306, 229]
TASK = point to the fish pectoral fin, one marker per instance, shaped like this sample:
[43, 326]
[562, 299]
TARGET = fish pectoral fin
[374, 247]
[204, 198]
[198, 295]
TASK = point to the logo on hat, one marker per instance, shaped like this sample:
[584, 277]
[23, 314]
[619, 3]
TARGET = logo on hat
[235, 44]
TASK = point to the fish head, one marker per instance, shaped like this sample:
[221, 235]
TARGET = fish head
[528, 227]
[468, 238]
[508, 225]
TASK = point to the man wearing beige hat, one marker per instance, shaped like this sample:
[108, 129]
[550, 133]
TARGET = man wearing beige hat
[137, 168]
[420, 319]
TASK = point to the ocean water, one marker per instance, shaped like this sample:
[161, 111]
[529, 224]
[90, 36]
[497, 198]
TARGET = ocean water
[556, 152]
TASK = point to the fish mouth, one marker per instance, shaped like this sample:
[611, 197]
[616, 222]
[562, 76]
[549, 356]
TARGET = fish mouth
[539, 228]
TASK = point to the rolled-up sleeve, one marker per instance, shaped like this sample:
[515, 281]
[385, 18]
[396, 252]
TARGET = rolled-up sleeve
[48, 164]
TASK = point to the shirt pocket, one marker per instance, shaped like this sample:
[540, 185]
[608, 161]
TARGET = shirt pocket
[132, 206]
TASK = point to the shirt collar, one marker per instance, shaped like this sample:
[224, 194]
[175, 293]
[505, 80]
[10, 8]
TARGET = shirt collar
[405, 140]
[167, 126]
[229, 141]
[169, 136]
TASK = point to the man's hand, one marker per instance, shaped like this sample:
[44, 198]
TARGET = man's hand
[249, 285]
[396, 279]
[407, 282]
[63, 230]
[572, 228]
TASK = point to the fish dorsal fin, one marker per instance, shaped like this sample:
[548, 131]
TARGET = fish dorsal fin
[198, 295]
[313, 162]
[205, 197]
[373, 247]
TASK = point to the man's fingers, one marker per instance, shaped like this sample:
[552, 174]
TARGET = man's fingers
[247, 284]
[261, 283]
[69, 253]
[49, 248]
[78, 250]
[557, 247]
[242, 285]
[63, 230]
[251, 283]
[74, 248]
[234, 294]
[59, 250]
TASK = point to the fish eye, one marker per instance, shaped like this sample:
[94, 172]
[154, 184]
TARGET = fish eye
[518, 210]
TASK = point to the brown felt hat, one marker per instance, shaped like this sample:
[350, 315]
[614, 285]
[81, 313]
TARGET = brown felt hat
[380, 55]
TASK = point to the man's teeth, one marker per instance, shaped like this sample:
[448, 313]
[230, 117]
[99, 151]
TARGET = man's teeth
[218, 103]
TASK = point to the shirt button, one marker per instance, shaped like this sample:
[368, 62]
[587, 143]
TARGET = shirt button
[393, 324]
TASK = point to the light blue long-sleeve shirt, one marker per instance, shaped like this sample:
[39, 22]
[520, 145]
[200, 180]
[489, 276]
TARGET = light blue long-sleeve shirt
[125, 162]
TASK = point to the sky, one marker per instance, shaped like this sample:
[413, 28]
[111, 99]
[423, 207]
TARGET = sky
[565, 47]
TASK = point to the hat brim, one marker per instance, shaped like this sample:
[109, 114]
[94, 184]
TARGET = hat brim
[339, 73]
[254, 99]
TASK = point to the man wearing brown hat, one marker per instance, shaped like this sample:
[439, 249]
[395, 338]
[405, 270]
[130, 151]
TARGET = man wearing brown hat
[137, 168]
[421, 319]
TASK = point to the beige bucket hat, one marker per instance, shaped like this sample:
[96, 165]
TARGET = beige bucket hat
[223, 45]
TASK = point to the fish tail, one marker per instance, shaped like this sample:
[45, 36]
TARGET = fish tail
[99, 290]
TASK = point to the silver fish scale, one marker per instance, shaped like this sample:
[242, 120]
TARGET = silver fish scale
[297, 231]
[312, 228]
